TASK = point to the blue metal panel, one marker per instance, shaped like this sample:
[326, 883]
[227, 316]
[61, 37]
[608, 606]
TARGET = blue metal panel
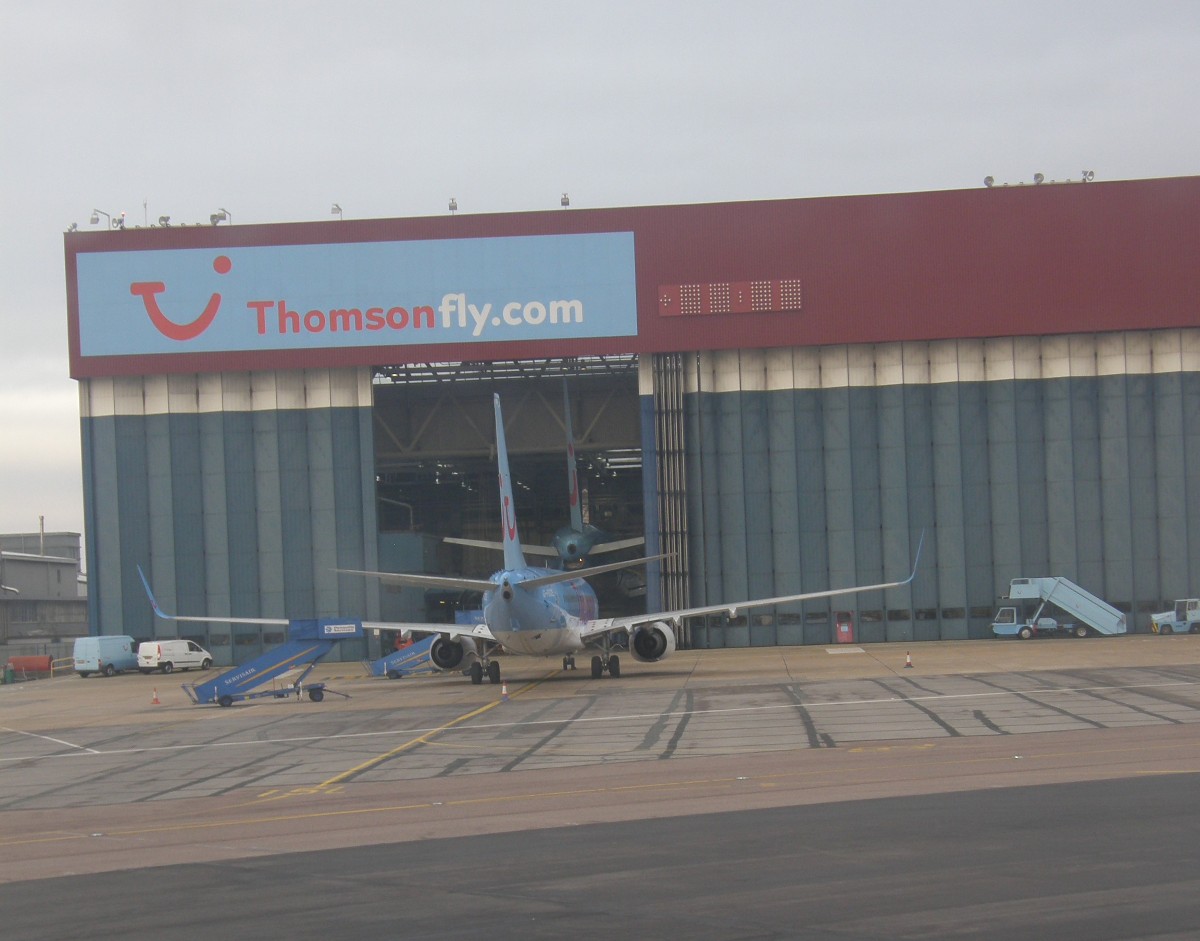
[867, 511]
[1169, 472]
[1115, 488]
[731, 580]
[1031, 476]
[784, 494]
[977, 515]
[189, 515]
[350, 515]
[1143, 488]
[242, 510]
[296, 516]
[839, 486]
[322, 516]
[1190, 386]
[160, 560]
[95, 558]
[811, 499]
[1004, 490]
[133, 525]
[216, 513]
[104, 580]
[922, 509]
[268, 485]
[1062, 537]
[1085, 446]
[756, 478]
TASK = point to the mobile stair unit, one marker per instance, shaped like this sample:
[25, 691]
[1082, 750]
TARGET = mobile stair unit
[412, 660]
[1089, 612]
[307, 643]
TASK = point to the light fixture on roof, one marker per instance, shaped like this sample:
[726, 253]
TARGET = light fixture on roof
[221, 215]
[453, 204]
[988, 181]
[164, 221]
[1038, 179]
[73, 226]
[565, 201]
[336, 210]
[96, 214]
[1088, 176]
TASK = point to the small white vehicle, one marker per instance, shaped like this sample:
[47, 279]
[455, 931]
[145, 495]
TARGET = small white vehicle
[170, 655]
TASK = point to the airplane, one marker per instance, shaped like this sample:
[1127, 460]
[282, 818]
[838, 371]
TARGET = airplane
[574, 545]
[540, 612]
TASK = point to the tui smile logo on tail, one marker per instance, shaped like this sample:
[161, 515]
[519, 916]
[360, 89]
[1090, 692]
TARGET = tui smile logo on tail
[148, 291]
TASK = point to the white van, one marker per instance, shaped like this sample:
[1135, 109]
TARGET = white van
[168, 655]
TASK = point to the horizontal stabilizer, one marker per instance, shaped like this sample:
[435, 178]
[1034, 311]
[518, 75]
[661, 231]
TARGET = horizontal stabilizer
[426, 581]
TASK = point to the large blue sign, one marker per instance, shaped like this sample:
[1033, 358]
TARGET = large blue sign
[307, 297]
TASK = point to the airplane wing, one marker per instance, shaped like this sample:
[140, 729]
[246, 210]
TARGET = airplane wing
[606, 625]
[450, 631]
[185, 617]
[614, 545]
[426, 581]
[499, 546]
[566, 575]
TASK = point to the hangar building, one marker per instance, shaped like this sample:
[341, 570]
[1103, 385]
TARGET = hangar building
[782, 395]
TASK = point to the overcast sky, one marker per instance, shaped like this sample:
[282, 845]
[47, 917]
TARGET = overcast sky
[276, 110]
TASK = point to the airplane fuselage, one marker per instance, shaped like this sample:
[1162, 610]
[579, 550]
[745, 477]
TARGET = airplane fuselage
[544, 621]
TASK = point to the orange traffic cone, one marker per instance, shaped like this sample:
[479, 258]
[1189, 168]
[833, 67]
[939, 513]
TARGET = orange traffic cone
[154, 699]
[504, 692]
[907, 661]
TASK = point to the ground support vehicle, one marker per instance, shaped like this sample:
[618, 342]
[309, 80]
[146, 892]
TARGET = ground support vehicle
[1065, 609]
[407, 661]
[1183, 619]
[105, 654]
[308, 641]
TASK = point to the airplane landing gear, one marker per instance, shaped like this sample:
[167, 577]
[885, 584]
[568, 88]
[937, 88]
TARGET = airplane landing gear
[493, 672]
[476, 673]
[610, 664]
[569, 662]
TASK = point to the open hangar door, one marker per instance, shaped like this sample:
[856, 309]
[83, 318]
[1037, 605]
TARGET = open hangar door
[435, 469]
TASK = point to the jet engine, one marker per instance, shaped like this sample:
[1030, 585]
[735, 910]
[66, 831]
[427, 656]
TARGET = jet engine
[653, 641]
[446, 654]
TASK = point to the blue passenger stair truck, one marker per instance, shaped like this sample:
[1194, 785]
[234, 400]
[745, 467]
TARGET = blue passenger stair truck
[308, 641]
[1062, 608]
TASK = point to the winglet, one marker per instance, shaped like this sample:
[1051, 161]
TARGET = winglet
[917, 560]
[149, 594]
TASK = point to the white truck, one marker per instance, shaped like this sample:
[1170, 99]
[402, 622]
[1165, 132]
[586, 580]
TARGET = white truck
[1064, 609]
[1184, 619]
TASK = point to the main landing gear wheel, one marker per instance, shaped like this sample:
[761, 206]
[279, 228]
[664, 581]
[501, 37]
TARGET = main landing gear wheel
[493, 672]
[476, 673]
[612, 667]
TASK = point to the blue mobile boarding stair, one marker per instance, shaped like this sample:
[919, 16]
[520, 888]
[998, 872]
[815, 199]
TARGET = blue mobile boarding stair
[412, 660]
[307, 643]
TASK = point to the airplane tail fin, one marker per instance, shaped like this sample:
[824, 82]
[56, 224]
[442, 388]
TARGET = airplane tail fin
[572, 473]
[514, 558]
